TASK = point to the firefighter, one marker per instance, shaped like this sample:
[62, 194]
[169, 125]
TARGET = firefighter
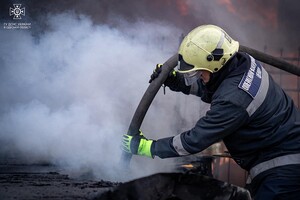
[257, 121]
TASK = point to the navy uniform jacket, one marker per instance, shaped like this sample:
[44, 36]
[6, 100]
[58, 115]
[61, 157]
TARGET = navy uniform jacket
[253, 116]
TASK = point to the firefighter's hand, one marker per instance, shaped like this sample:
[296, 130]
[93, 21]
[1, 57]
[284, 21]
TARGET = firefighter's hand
[157, 71]
[138, 145]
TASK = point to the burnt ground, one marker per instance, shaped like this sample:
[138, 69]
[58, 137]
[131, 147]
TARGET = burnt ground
[44, 181]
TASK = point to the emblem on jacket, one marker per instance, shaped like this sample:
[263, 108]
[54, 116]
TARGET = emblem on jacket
[251, 80]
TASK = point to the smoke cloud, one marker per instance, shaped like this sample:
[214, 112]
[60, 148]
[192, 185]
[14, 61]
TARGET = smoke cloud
[69, 94]
[70, 85]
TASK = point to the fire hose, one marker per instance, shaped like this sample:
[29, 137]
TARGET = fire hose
[170, 64]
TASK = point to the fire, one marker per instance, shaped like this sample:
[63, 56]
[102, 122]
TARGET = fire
[229, 6]
[188, 166]
[182, 7]
[266, 16]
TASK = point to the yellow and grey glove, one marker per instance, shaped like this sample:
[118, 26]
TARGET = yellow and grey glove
[138, 145]
[157, 71]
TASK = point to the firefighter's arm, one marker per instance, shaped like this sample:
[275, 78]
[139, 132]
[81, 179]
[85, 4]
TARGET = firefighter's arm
[220, 121]
[138, 145]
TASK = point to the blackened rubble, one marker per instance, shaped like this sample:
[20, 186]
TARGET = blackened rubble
[45, 182]
[179, 186]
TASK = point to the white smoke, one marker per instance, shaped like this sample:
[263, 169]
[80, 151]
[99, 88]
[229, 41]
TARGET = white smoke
[69, 93]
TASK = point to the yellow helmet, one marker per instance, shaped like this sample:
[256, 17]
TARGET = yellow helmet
[207, 47]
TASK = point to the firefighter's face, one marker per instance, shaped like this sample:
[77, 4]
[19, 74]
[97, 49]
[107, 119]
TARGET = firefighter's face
[191, 77]
[205, 76]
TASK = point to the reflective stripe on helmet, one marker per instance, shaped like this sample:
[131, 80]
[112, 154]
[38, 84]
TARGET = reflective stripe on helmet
[221, 41]
[218, 52]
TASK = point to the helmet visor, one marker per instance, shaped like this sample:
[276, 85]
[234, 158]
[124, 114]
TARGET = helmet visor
[191, 77]
[183, 66]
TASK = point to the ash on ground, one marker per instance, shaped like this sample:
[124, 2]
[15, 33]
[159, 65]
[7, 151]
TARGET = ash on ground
[45, 181]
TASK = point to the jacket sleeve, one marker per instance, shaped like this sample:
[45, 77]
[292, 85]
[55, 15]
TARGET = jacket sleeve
[220, 121]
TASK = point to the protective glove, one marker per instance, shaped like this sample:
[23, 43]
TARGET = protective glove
[157, 71]
[138, 145]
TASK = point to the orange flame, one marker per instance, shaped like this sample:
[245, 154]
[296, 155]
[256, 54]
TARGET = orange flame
[188, 166]
[266, 16]
[228, 5]
[182, 7]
